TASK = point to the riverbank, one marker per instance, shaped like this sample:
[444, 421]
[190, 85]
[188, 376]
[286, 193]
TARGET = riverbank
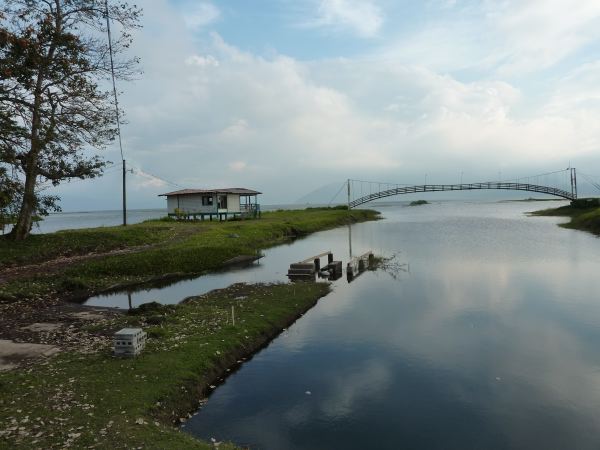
[94, 400]
[584, 215]
[76, 264]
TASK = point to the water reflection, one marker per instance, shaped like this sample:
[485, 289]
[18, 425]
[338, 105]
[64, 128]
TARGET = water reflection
[490, 341]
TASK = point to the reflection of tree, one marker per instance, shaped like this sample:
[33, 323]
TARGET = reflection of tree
[390, 265]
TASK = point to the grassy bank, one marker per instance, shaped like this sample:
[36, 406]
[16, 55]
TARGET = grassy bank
[153, 250]
[584, 215]
[99, 401]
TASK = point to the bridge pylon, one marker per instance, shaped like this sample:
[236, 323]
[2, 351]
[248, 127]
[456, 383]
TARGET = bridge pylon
[573, 182]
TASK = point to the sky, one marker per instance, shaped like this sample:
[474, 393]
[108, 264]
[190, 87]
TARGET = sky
[286, 96]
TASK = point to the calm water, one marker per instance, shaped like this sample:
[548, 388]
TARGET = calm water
[490, 340]
[90, 219]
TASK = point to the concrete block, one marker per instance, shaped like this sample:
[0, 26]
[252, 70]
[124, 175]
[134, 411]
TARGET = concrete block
[129, 341]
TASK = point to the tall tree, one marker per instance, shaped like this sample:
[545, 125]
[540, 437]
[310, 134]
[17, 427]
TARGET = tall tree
[57, 112]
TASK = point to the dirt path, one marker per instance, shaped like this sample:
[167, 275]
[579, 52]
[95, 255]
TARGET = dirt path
[33, 330]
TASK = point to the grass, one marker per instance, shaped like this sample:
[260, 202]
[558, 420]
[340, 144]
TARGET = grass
[584, 214]
[43, 247]
[179, 249]
[100, 401]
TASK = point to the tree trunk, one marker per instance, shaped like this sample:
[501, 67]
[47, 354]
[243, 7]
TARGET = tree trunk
[25, 220]
[23, 226]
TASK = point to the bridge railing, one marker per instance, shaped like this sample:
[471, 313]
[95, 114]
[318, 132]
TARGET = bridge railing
[463, 187]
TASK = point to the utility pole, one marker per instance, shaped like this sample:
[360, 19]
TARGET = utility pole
[114, 85]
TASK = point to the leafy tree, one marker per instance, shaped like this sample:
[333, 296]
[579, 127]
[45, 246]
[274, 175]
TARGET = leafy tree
[54, 60]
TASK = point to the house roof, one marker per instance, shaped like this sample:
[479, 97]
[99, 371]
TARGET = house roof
[240, 191]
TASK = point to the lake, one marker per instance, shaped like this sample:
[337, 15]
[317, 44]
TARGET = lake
[483, 333]
[489, 339]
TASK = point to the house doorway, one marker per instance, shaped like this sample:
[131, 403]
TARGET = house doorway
[222, 202]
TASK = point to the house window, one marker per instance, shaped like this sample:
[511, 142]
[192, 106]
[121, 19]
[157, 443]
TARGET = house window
[207, 200]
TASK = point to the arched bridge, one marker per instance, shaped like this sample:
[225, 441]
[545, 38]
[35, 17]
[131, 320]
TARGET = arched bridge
[501, 185]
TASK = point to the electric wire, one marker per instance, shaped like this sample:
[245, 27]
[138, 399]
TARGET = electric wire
[344, 184]
[114, 83]
[143, 172]
[590, 180]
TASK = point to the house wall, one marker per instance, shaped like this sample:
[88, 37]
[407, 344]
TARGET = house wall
[233, 203]
[190, 204]
[171, 204]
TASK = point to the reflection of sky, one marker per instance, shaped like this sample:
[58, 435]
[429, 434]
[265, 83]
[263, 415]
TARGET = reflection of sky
[489, 341]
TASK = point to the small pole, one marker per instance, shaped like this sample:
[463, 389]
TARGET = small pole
[350, 239]
[124, 197]
[348, 194]
[233, 315]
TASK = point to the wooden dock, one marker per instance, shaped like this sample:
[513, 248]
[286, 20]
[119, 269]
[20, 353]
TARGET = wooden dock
[358, 265]
[308, 268]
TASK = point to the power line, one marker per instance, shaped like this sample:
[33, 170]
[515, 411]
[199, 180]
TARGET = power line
[114, 83]
[143, 172]
[338, 193]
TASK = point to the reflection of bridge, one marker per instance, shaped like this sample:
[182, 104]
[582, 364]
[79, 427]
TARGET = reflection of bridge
[516, 185]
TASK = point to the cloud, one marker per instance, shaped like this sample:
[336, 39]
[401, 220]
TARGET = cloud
[237, 166]
[508, 39]
[363, 17]
[198, 15]
[540, 33]
[295, 122]
[202, 61]
[208, 113]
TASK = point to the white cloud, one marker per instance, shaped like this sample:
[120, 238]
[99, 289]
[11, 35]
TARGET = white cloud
[509, 38]
[202, 61]
[199, 14]
[284, 126]
[237, 166]
[238, 129]
[363, 17]
[540, 33]
[290, 121]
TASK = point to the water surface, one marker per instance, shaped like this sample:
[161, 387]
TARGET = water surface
[489, 339]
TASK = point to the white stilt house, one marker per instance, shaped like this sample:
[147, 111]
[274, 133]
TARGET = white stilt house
[221, 203]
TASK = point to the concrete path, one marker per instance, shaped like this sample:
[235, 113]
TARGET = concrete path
[14, 353]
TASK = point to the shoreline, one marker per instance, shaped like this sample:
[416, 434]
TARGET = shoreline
[584, 215]
[182, 363]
